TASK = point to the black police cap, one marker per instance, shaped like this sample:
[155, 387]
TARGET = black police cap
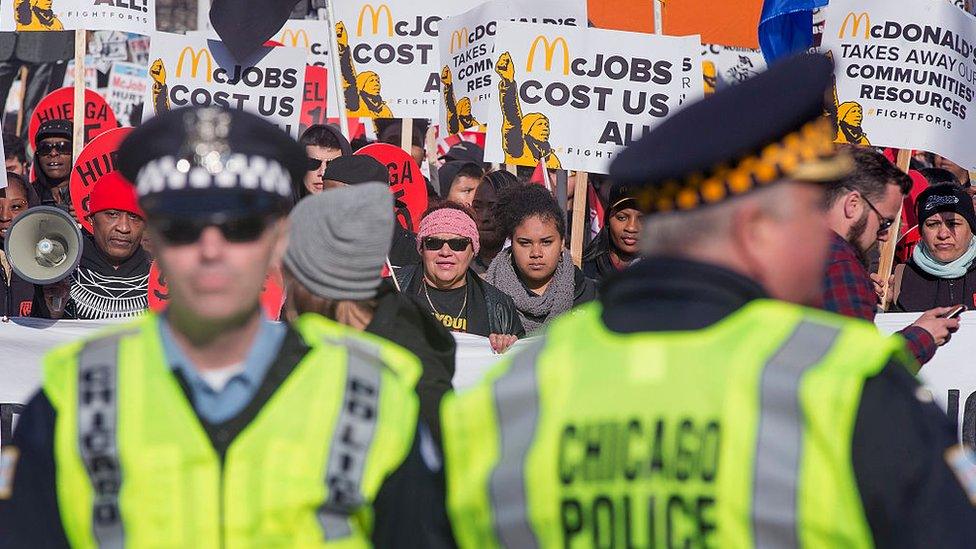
[205, 161]
[766, 129]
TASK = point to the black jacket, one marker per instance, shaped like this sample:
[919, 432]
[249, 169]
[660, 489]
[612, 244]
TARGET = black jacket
[30, 519]
[37, 47]
[502, 315]
[404, 322]
[403, 249]
[19, 297]
[911, 496]
[919, 291]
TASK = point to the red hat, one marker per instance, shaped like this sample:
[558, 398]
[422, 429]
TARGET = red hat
[113, 192]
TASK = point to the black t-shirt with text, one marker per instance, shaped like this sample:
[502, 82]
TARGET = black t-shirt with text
[460, 310]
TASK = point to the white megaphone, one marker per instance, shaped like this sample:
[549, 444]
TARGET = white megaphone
[43, 245]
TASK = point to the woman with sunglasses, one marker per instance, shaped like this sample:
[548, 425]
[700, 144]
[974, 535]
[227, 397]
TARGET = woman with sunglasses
[942, 269]
[445, 284]
[537, 271]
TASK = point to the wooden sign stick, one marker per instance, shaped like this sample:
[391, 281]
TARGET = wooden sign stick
[335, 72]
[406, 135]
[24, 71]
[78, 141]
[887, 263]
[579, 218]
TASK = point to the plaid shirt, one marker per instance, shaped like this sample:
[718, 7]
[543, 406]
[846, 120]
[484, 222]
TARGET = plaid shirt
[848, 291]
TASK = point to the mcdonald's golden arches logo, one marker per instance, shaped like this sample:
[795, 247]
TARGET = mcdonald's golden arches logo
[549, 49]
[856, 20]
[459, 37]
[374, 14]
[294, 37]
[195, 57]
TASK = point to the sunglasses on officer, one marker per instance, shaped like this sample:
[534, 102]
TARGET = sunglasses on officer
[434, 244]
[60, 147]
[182, 231]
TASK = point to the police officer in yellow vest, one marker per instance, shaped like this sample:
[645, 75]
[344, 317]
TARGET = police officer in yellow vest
[698, 403]
[211, 426]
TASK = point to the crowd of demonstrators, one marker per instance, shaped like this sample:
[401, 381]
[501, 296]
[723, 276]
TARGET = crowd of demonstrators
[18, 297]
[344, 284]
[52, 163]
[861, 208]
[112, 279]
[444, 281]
[942, 269]
[490, 231]
[15, 153]
[537, 271]
[617, 246]
[323, 143]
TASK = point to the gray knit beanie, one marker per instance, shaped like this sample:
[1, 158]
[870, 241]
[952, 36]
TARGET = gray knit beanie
[340, 239]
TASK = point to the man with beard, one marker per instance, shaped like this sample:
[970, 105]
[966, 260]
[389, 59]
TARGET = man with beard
[53, 162]
[860, 211]
[112, 279]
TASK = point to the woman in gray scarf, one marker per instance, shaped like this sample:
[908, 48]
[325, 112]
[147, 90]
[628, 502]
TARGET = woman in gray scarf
[536, 271]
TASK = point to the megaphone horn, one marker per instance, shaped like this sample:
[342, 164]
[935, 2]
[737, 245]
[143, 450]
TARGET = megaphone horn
[43, 245]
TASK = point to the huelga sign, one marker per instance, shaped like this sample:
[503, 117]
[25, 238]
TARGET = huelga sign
[195, 71]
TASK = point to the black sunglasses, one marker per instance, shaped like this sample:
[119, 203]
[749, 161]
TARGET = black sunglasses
[187, 231]
[314, 164]
[62, 147]
[457, 244]
[883, 222]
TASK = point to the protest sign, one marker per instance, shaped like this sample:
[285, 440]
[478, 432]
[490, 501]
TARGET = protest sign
[724, 66]
[192, 70]
[59, 104]
[312, 36]
[96, 159]
[388, 55]
[127, 87]
[136, 16]
[905, 73]
[139, 50]
[574, 97]
[406, 182]
[467, 48]
[315, 98]
[91, 73]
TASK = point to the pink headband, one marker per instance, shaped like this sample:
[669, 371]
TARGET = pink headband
[451, 221]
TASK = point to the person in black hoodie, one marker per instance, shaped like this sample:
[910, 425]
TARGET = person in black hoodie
[537, 271]
[617, 246]
[52, 163]
[113, 277]
[323, 143]
[17, 296]
[336, 251]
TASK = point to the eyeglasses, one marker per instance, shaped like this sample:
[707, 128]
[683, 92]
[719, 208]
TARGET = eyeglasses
[238, 229]
[434, 244]
[314, 164]
[61, 147]
[884, 222]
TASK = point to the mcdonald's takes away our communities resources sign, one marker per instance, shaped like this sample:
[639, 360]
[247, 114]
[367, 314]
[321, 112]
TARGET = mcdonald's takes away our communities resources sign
[905, 75]
[467, 53]
[192, 70]
[388, 56]
[136, 16]
[573, 97]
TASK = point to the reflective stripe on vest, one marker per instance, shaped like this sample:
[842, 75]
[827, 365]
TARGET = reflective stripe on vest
[780, 438]
[517, 408]
[98, 368]
[352, 439]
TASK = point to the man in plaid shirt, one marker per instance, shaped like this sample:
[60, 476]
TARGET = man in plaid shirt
[860, 212]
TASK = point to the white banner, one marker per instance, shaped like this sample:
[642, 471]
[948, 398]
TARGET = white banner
[312, 36]
[577, 96]
[127, 87]
[388, 55]
[137, 16]
[192, 70]
[905, 74]
[467, 51]
[726, 66]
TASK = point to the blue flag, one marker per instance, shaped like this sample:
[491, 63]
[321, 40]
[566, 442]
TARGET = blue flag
[786, 27]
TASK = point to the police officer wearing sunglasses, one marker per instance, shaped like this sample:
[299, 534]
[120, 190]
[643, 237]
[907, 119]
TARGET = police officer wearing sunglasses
[210, 426]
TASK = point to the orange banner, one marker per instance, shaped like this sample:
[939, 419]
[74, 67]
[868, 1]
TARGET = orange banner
[718, 21]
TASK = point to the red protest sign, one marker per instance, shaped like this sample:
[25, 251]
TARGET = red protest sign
[444, 144]
[272, 296]
[59, 105]
[315, 97]
[94, 161]
[406, 182]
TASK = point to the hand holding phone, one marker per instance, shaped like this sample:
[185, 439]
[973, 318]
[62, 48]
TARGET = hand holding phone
[955, 312]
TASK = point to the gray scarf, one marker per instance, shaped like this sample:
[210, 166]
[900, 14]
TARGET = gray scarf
[558, 298]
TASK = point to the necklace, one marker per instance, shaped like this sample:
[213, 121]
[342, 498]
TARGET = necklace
[431, 303]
